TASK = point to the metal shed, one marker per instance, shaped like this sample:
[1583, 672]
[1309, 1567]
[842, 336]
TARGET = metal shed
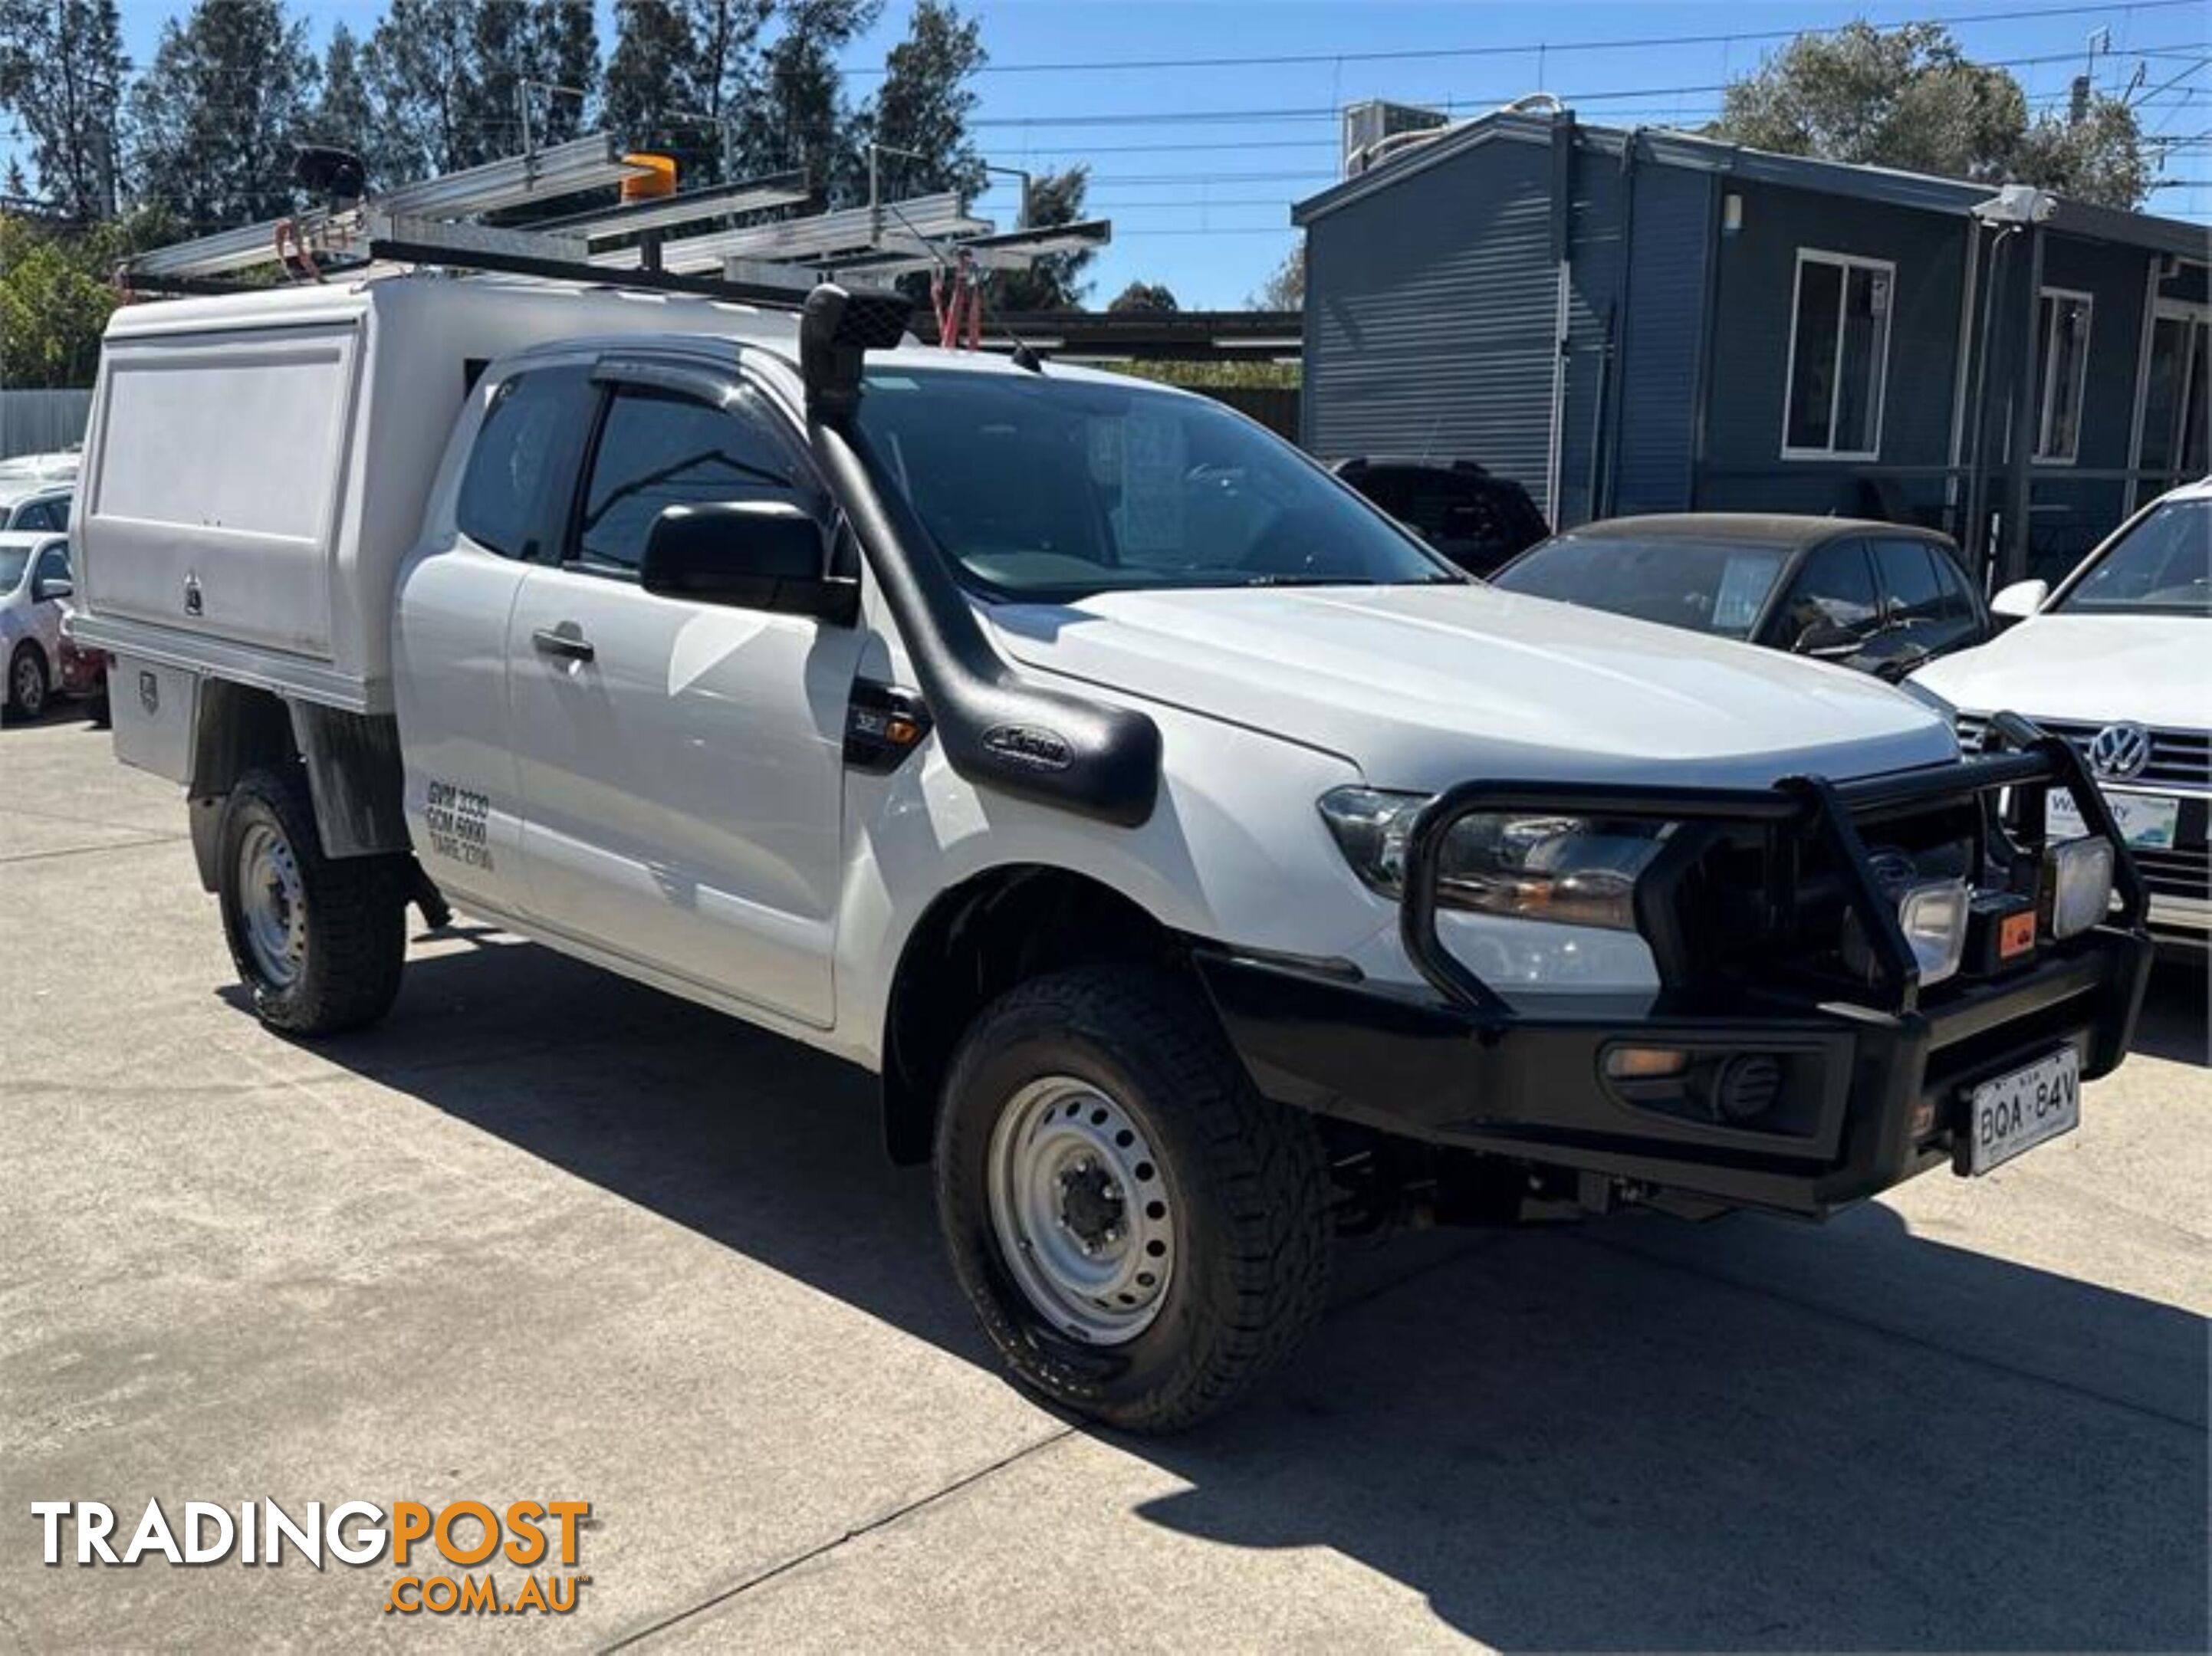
[1640, 320]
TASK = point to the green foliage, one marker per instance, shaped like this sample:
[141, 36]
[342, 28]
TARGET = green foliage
[62, 67]
[1198, 376]
[923, 105]
[444, 78]
[1907, 97]
[344, 116]
[56, 291]
[213, 119]
[1144, 296]
[730, 87]
[417, 69]
[656, 94]
[1053, 282]
[1286, 290]
[2100, 158]
[793, 112]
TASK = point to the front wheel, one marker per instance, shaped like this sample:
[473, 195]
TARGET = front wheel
[27, 682]
[1142, 1236]
[317, 940]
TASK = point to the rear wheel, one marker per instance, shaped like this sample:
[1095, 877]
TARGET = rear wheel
[1142, 1236]
[319, 940]
[26, 682]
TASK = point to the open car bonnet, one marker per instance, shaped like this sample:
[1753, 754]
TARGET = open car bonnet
[1424, 685]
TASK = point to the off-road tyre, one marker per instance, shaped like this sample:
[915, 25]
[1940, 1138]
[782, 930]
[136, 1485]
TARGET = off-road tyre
[354, 938]
[1247, 1178]
[30, 684]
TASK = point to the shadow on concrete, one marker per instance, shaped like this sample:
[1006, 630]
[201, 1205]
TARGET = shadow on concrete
[2176, 1012]
[1633, 1435]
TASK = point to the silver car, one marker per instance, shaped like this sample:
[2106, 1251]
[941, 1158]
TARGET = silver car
[34, 580]
[36, 503]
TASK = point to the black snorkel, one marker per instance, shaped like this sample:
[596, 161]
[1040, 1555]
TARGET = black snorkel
[997, 729]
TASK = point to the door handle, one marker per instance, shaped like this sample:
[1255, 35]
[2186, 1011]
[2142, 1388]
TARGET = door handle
[567, 645]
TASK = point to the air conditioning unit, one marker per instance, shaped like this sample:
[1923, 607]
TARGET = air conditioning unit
[1376, 129]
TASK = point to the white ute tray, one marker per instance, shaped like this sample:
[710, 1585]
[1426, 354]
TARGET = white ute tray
[257, 464]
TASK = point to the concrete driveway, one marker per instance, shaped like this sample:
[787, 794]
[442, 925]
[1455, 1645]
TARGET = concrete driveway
[545, 1234]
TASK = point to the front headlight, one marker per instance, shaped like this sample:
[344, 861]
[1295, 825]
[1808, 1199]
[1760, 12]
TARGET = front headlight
[1570, 871]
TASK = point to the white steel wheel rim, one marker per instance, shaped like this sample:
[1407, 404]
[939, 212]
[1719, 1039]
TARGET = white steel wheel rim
[30, 684]
[272, 905]
[1082, 1215]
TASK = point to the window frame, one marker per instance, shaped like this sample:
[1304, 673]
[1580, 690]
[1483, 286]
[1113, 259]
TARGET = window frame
[2042, 455]
[1951, 587]
[737, 395]
[1769, 632]
[540, 551]
[1846, 262]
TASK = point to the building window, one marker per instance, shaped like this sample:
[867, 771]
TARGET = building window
[2062, 324]
[1838, 357]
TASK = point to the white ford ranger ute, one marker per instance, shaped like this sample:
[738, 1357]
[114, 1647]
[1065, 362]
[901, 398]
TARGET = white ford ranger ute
[1202, 864]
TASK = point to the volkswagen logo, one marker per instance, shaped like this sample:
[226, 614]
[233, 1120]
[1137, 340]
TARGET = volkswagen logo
[2119, 752]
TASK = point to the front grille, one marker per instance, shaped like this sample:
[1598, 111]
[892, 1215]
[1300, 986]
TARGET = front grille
[2178, 758]
[2185, 873]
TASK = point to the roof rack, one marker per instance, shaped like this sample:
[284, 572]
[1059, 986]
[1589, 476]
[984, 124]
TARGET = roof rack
[790, 188]
[548, 174]
[522, 260]
[435, 222]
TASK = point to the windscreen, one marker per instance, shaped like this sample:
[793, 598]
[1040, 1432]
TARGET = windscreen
[2162, 567]
[14, 560]
[1716, 588]
[1046, 488]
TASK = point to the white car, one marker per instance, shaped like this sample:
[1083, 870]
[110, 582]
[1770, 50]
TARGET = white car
[1200, 862]
[34, 580]
[2118, 660]
[34, 505]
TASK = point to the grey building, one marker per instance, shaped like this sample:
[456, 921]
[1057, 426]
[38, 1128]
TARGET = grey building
[1648, 321]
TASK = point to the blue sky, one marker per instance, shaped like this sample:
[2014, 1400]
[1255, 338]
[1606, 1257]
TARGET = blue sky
[1197, 165]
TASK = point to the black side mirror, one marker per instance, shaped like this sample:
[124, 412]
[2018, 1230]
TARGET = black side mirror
[749, 554]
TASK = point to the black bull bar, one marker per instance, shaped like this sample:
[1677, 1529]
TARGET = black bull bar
[1874, 1081]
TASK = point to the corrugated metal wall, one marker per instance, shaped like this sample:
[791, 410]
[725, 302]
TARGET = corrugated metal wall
[1431, 308]
[1593, 292]
[1658, 373]
[41, 422]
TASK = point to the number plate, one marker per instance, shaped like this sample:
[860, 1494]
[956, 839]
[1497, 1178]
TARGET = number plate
[2017, 1112]
[2146, 820]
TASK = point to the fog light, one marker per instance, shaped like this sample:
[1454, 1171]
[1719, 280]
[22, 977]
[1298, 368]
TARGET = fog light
[1744, 1087]
[1645, 1062]
[1934, 917]
[2080, 884]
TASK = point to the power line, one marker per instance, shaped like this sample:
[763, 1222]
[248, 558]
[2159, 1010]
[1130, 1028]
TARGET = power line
[1526, 49]
[2165, 85]
[1313, 113]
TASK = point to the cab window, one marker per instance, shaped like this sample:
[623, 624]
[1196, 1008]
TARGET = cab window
[1833, 591]
[520, 477]
[658, 448]
[1925, 595]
